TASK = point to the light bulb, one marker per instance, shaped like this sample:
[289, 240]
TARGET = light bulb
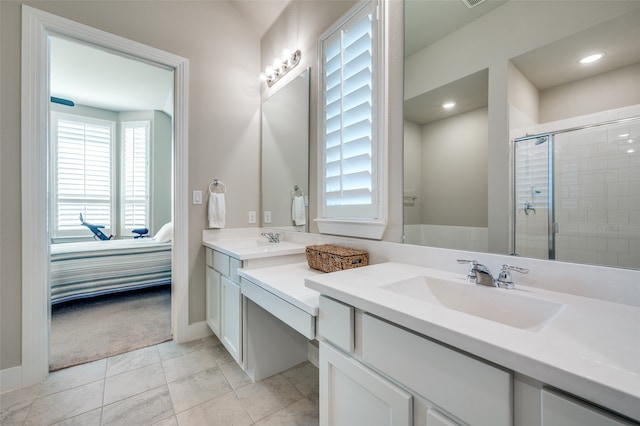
[448, 105]
[269, 71]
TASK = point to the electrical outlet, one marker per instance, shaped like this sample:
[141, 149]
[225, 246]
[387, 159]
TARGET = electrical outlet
[267, 216]
[197, 197]
[252, 217]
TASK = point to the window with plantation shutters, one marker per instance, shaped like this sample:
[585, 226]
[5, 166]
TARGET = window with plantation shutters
[135, 176]
[349, 162]
[82, 174]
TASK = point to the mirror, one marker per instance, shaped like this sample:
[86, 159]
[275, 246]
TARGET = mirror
[528, 52]
[285, 156]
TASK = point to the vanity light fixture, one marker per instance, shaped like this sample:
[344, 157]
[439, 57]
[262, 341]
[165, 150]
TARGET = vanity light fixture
[281, 66]
[448, 105]
[591, 58]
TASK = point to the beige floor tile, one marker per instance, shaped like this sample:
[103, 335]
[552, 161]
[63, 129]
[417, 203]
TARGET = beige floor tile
[222, 411]
[301, 413]
[194, 390]
[73, 376]
[221, 354]
[132, 360]
[169, 421]
[133, 382]
[305, 377]
[92, 418]
[172, 349]
[66, 404]
[186, 365]
[234, 374]
[268, 396]
[14, 405]
[15, 414]
[145, 408]
[211, 341]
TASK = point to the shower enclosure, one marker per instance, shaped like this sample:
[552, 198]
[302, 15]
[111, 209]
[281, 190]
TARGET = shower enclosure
[576, 194]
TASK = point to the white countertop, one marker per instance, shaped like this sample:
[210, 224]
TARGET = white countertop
[253, 248]
[288, 283]
[591, 348]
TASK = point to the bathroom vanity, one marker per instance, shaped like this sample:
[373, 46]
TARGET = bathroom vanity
[407, 345]
[257, 304]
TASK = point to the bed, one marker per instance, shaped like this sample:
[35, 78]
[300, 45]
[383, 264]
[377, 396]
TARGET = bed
[92, 268]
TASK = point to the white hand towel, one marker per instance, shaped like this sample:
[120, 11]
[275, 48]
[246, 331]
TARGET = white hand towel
[298, 213]
[217, 213]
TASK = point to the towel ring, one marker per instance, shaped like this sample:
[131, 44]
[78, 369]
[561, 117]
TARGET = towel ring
[297, 192]
[219, 184]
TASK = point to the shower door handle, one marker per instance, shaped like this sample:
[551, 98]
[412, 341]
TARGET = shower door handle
[554, 227]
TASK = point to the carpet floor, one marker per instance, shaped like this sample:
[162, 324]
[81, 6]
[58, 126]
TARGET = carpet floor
[90, 329]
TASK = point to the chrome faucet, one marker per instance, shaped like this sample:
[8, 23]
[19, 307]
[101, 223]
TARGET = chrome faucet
[480, 274]
[272, 237]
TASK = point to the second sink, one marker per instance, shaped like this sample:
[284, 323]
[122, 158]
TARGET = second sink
[502, 306]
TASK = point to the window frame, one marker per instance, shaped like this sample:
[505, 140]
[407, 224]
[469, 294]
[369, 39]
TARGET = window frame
[352, 225]
[56, 233]
[123, 228]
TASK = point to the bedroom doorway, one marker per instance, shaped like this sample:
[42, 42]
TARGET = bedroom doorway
[37, 25]
[111, 162]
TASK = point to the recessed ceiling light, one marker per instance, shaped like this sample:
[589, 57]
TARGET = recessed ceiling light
[448, 105]
[591, 58]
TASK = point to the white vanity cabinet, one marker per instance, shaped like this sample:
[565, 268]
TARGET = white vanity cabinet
[351, 394]
[562, 410]
[397, 370]
[224, 301]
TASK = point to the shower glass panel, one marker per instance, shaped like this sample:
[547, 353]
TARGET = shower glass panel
[533, 197]
[577, 195]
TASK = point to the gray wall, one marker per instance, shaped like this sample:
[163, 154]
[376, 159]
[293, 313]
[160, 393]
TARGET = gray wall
[224, 111]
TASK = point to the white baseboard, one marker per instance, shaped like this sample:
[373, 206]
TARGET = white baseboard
[197, 330]
[10, 379]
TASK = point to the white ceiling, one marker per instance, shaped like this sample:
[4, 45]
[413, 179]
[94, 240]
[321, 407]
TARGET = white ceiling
[548, 66]
[91, 76]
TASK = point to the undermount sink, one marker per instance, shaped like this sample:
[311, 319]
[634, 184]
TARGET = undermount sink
[498, 305]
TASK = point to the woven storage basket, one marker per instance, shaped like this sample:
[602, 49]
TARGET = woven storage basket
[330, 258]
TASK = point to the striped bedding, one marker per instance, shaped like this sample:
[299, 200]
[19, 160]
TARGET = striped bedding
[91, 268]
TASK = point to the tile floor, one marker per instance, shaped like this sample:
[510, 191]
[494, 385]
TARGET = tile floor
[197, 383]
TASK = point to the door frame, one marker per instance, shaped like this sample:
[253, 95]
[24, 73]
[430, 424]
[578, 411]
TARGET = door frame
[36, 27]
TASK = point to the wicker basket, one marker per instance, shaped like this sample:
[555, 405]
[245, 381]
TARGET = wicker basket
[330, 258]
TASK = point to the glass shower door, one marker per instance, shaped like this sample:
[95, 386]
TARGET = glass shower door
[533, 195]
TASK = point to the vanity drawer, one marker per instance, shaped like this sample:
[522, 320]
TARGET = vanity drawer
[336, 323]
[234, 265]
[221, 263]
[294, 317]
[472, 390]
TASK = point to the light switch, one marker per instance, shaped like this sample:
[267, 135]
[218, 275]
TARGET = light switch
[197, 197]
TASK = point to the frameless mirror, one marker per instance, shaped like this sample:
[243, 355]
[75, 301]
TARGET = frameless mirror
[285, 156]
[586, 209]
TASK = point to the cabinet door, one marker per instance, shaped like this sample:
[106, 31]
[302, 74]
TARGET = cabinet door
[231, 318]
[351, 394]
[213, 300]
[560, 410]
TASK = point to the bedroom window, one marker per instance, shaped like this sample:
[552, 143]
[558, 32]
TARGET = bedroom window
[351, 146]
[135, 176]
[82, 174]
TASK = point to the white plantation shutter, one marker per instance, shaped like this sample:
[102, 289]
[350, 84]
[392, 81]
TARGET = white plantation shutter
[349, 57]
[135, 176]
[82, 174]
